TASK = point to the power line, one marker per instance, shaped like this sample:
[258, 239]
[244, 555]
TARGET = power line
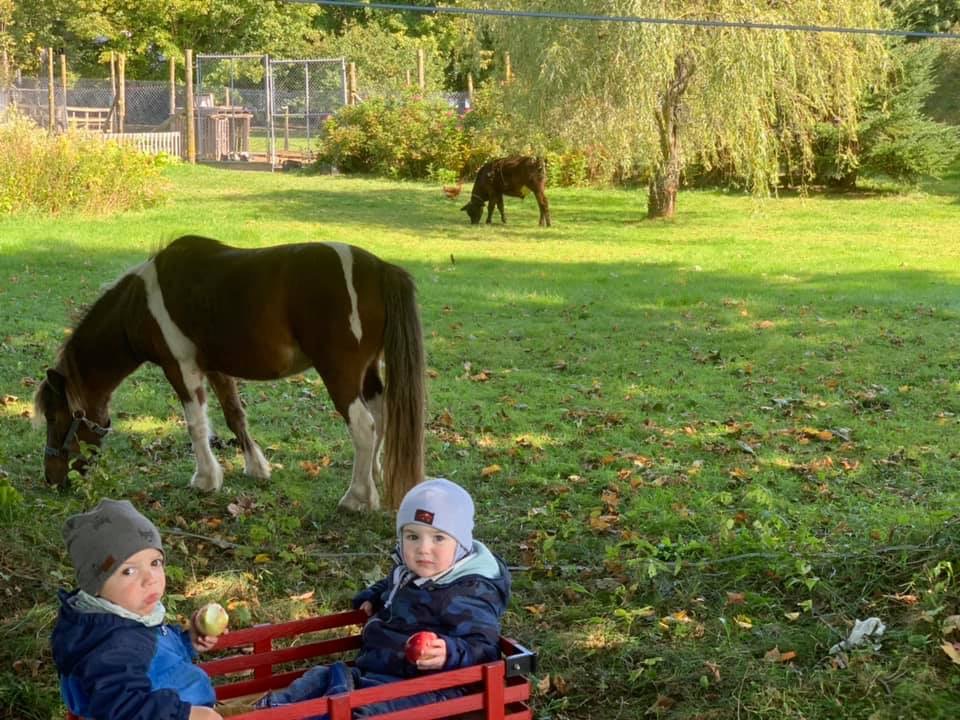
[738, 24]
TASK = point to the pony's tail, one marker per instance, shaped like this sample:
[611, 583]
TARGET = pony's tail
[404, 387]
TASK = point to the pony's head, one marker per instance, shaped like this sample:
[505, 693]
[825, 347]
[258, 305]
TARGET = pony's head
[67, 427]
[474, 209]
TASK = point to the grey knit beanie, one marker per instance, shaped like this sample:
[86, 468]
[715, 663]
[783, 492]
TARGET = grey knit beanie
[440, 504]
[100, 540]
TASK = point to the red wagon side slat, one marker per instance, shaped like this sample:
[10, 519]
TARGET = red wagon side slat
[494, 691]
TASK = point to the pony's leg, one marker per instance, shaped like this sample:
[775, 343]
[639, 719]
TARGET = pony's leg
[254, 463]
[544, 207]
[187, 380]
[503, 217]
[490, 205]
[373, 396]
[349, 398]
[362, 493]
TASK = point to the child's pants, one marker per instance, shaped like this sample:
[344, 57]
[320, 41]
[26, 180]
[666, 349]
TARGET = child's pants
[340, 678]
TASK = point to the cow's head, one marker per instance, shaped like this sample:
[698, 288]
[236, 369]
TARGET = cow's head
[474, 209]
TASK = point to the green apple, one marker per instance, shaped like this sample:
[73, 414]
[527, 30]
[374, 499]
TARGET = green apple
[212, 620]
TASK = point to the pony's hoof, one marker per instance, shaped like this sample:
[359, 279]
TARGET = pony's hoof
[256, 466]
[207, 483]
[350, 502]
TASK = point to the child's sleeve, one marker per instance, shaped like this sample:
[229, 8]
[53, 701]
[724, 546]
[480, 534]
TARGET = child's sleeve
[118, 687]
[472, 619]
[372, 595]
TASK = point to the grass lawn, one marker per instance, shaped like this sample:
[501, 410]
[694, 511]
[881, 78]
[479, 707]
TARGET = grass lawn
[705, 446]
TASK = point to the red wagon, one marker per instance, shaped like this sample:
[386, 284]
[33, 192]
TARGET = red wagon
[494, 691]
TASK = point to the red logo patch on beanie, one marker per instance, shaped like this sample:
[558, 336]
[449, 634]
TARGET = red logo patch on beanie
[423, 516]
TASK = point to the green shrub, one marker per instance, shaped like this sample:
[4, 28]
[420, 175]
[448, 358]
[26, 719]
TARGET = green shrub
[72, 171]
[408, 137]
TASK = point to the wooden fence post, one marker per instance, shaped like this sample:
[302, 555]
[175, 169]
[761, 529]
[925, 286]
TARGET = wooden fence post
[63, 83]
[51, 99]
[113, 90]
[351, 84]
[470, 88]
[122, 87]
[191, 127]
[421, 70]
[6, 69]
[173, 86]
[507, 70]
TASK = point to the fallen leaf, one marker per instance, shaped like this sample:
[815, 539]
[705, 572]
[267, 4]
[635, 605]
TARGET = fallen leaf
[735, 598]
[536, 609]
[261, 559]
[714, 669]
[543, 685]
[303, 596]
[775, 656]
[490, 470]
[904, 598]
[311, 468]
[743, 621]
[951, 623]
[661, 705]
[953, 651]
[792, 616]
[600, 523]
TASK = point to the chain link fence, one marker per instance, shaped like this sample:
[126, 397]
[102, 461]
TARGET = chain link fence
[147, 101]
[305, 94]
[247, 106]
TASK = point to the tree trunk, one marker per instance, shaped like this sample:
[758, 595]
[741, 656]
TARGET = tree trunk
[662, 200]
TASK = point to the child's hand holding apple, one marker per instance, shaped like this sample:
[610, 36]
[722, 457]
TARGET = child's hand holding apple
[209, 623]
[426, 650]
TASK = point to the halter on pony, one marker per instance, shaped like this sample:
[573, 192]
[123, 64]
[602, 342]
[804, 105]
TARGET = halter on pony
[79, 416]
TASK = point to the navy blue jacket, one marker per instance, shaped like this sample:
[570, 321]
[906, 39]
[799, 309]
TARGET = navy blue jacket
[463, 607]
[113, 668]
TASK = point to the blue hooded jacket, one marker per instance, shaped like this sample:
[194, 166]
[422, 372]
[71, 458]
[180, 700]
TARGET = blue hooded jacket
[462, 606]
[113, 668]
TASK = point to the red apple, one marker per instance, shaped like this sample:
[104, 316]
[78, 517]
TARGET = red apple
[212, 620]
[417, 643]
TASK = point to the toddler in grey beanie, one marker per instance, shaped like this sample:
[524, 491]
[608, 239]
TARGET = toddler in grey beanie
[100, 540]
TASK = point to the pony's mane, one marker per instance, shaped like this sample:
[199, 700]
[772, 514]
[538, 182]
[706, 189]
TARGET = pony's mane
[66, 363]
[66, 366]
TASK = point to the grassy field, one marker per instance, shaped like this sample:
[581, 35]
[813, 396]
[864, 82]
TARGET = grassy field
[705, 446]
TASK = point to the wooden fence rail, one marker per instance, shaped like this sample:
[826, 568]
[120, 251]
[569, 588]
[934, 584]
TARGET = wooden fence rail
[152, 143]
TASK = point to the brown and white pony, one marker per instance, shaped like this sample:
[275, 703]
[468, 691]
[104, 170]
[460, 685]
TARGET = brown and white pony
[201, 309]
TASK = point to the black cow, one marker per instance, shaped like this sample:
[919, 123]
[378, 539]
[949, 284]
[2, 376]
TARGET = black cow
[513, 176]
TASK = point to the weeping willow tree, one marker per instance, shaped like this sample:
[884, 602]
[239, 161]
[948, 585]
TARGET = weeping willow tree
[662, 95]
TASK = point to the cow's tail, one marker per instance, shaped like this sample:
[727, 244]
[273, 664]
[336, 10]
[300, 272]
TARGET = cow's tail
[404, 386]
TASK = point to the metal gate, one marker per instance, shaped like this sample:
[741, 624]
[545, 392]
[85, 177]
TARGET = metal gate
[252, 105]
[305, 93]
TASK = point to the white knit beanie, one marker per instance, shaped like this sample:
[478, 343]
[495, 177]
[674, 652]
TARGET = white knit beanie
[440, 504]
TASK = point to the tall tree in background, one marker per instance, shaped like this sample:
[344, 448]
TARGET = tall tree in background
[925, 15]
[149, 31]
[658, 95]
